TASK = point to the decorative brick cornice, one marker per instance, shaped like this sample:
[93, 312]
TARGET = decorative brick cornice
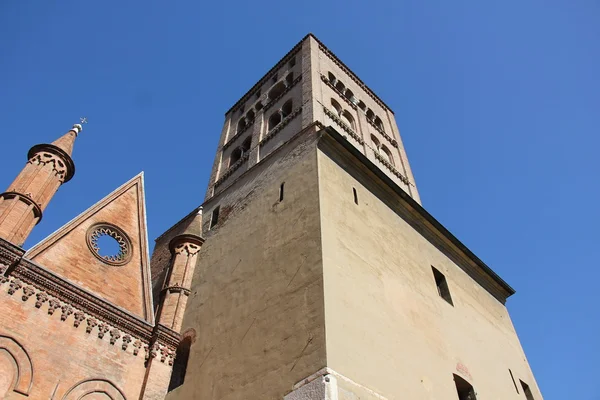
[280, 126]
[394, 171]
[276, 99]
[10, 253]
[233, 168]
[343, 125]
[328, 83]
[66, 292]
[261, 82]
[29, 280]
[343, 67]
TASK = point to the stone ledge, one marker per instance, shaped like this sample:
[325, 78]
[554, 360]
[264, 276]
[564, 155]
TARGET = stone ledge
[343, 125]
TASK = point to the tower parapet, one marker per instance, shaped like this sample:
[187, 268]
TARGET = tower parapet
[23, 203]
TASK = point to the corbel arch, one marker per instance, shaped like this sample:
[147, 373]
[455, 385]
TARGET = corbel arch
[92, 388]
[21, 362]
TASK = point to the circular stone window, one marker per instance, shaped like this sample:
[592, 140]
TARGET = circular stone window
[109, 244]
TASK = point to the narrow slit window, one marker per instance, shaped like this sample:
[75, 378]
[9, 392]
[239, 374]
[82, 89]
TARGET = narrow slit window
[214, 218]
[355, 196]
[513, 380]
[281, 191]
[526, 390]
[464, 389]
[442, 286]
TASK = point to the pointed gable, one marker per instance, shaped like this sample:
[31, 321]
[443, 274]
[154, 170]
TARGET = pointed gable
[105, 250]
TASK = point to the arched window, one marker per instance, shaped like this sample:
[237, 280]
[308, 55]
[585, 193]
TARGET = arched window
[258, 106]
[287, 108]
[241, 124]
[336, 106]
[332, 78]
[386, 154]
[250, 116]
[274, 120]
[375, 142]
[289, 79]
[362, 105]
[247, 144]
[276, 91]
[370, 114]
[235, 156]
[181, 361]
[340, 86]
[350, 96]
[347, 118]
[378, 123]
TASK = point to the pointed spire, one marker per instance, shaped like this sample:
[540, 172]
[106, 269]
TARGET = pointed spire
[195, 226]
[67, 141]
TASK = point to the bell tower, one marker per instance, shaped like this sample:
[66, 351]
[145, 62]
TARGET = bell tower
[321, 275]
[23, 203]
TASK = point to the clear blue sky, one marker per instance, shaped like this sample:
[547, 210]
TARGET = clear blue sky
[498, 104]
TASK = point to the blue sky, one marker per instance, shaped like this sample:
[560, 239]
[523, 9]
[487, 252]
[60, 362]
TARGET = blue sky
[498, 104]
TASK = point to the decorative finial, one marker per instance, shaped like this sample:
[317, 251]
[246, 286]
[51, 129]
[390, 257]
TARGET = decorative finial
[77, 128]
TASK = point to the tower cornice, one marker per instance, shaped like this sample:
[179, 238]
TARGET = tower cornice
[50, 148]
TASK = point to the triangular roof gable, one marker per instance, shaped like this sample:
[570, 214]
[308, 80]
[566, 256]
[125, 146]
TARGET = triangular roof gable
[75, 253]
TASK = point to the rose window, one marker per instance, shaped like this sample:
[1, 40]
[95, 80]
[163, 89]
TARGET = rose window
[109, 244]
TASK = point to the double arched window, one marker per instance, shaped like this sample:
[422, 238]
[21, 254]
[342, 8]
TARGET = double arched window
[344, 115]
[382, 150]
[239, 152]
[278, 116]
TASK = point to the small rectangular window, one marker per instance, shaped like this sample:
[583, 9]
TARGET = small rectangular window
[526, 390]
[292, 62]
[442, 285]
[513, 380]
[281, 191]
[214, 218]
[355, 195]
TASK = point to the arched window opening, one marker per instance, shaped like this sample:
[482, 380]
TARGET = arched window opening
[258, 106]
[340, 86]
[375, 142]
[292, 62]
[276, 91]
[378, 123]
[350, 96]
[274, 120]
[289, 79]
[258, 93]
[235, 156]
[250, 116]
[287, 108]
[180, 365]
[387, 154]
[464, 389]
[241, 124]
[362, 105]
[336, 106]
[347, 118]
[246, 145]
[370, 114]
[331, 78]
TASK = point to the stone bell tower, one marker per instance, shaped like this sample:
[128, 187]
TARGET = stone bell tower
[322, 276]
[48, 167]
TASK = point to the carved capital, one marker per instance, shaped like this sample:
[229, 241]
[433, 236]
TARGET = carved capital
[91, 323]
[53, 305]
[41, 297]
[66, 311]
[14, 286]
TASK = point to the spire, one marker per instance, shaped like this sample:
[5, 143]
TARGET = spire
[66, 142]
[195, 226]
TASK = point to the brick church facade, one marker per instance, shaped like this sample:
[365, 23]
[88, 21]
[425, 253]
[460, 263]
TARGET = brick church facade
[310, 270]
